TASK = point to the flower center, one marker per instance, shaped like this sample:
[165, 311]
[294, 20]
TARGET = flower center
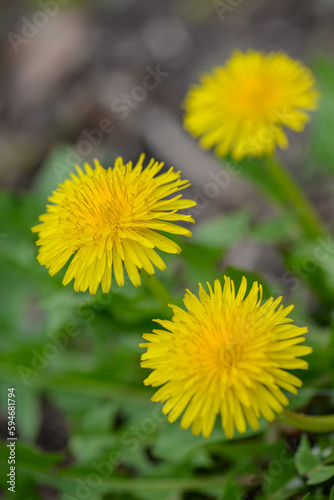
[256, 96]
[100, 212]
[228, 355]
[222, 351]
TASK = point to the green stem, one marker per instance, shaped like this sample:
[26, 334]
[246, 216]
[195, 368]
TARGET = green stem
[319, 423]
[308, 217]
[158, 289]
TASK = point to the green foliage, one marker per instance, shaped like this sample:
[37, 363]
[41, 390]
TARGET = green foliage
[311, 465]
[231, 490]
[305, 460]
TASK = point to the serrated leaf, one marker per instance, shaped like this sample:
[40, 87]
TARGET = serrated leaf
[305, 460]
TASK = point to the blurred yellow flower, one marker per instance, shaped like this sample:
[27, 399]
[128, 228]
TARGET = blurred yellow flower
[242, 107]
[111, 217]
[227, 354]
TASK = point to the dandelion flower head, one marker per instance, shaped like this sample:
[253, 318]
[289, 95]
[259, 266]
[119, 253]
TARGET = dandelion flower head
[241, 108]
[226, 354]
[108, 219]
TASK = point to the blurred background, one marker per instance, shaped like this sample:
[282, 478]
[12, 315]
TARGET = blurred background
[99, 79]
[85, 79]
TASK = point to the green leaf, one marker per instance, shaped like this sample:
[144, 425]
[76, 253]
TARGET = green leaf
[30, 458]
[277, 229]
[100, 417]
[331, 496]
[321, 474]
[201, 264]
[231, 490]
[223, 231]
[29, 417]
[280, 478]
[304, 458]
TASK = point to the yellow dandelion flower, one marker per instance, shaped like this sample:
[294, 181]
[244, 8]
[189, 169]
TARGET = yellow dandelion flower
[110, 218]
[227, 354]
[242, 107]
